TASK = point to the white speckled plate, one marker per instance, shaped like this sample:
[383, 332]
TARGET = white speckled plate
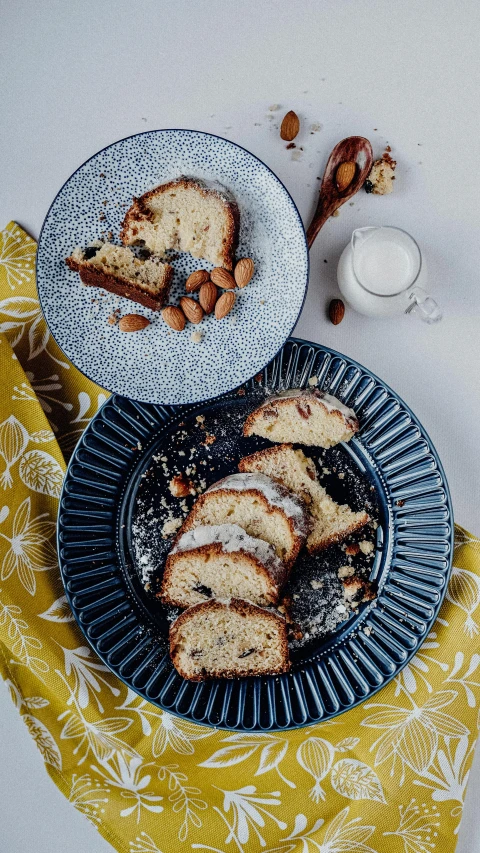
[157, 365]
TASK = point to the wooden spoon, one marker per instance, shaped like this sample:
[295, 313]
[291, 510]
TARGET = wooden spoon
[356, 149]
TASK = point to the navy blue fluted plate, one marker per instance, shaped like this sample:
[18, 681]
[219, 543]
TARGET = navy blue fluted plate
[114, 483]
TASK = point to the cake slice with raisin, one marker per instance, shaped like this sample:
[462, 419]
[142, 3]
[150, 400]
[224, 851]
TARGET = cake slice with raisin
[187, 215]
[332, 522]
[228, 639]
[259, 505]
[119, 270]
[221, 561]
[303, 416]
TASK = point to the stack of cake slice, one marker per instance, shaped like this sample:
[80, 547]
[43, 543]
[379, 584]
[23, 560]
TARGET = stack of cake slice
[236, 548]
[229, 563]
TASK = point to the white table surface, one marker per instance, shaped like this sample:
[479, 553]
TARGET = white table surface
[83, 74]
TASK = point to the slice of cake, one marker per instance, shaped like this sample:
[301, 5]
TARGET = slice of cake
[188, 215]
[221, 561]
[303, 416]
[332, 522]
[118, 270]
[262, 507]
[231, 639]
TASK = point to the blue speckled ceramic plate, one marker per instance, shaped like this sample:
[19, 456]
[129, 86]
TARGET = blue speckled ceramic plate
[128, 628]
[157, 365]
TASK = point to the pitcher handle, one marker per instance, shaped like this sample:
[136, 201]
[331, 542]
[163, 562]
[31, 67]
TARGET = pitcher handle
[423, 306]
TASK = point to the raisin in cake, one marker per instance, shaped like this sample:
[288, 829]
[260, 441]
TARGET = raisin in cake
[228, 639]
[303, 416]
[118, 270]
[262, 507]
[332, 522]
[188, 215]
[221, 561]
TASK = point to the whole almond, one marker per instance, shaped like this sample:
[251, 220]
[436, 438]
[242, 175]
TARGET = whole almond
[174, 317]
[336, 311]
[133, 323]
[224, 305]
[208, 296]
[244, 271]
[192, 310]
[222, 278]
[290, 126]
[195, 280]
[345, 174]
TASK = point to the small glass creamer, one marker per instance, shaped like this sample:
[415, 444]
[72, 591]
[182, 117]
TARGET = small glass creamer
[381, 273]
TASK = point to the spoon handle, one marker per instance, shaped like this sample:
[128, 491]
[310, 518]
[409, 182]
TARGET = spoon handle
[322, 213]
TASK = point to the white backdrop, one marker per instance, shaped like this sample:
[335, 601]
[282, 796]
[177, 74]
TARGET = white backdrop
[80, 75]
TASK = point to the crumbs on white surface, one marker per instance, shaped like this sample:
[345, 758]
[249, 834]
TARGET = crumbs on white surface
[196, 337]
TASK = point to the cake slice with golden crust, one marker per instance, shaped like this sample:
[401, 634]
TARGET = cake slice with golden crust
[118, 270]
[303, 416]
[228, 639]
[332, 522]
[222, 561]
[187, 215]
[259, 505]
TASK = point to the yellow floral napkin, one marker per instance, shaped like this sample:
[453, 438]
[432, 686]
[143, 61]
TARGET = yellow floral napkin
[390, 774]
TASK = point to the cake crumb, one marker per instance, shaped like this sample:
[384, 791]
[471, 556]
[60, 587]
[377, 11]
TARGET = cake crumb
[345, 571]
[366, 547]
[180, 486]
[352, 550]
[200, 419]
[316, 584]
[171, 526]
[313, 381]
[335, 213]
[196, 337]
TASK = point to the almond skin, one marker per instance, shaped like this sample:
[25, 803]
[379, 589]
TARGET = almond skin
[208, 296]
[345, 174]
[336, 311]
[195, 280]
[222, 278]
[192, 310]
[244, 271]
[290, 126]
[174, 317]
[224, 305]
[133, 323]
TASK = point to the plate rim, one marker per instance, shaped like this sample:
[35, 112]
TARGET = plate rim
[292, 726]
[176, 130]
